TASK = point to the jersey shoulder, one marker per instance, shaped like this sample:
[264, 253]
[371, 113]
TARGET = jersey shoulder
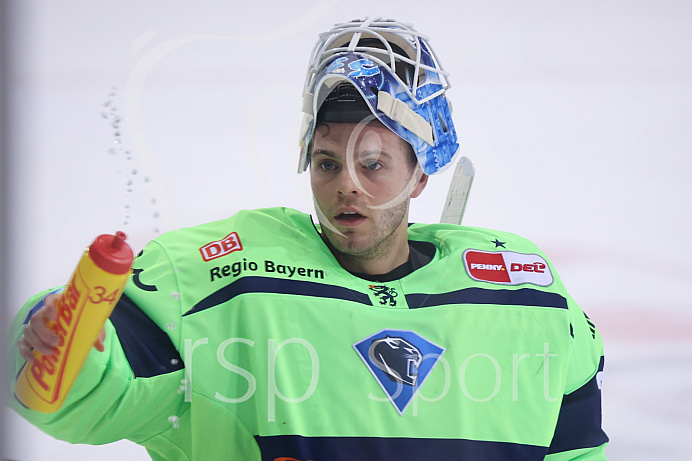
[229, 233]
[453, 237]
[260, 218]
[490, 258]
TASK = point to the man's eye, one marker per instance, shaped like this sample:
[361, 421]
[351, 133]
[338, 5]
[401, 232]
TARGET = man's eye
[327, 165]
[372, 165]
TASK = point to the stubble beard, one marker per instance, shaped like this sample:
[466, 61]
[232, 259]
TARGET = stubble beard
[374, 246]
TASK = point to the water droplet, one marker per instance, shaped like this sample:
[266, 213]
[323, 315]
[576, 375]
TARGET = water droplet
[175, 421]
[108, 109]
[174, 361]
[133, 171]
[175, 295]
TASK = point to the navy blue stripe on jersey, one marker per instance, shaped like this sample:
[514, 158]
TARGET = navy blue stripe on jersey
[502, 297]
[39, 305]
[148, 349]
[579, 422]
[256, 284]
[297, 447]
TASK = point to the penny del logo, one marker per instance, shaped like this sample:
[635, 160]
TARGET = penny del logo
[507, 267]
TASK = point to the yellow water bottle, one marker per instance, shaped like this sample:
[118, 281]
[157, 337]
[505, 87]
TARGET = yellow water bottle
[83, 308]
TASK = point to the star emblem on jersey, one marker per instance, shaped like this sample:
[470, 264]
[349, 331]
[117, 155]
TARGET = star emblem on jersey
[400, 361]
[498, 244]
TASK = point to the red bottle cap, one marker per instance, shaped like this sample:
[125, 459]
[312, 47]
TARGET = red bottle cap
[111, 253]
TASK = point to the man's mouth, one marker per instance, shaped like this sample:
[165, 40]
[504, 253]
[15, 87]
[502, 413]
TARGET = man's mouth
[349, 218]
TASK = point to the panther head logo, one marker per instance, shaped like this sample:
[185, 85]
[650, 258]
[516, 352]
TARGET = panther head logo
[397, 358]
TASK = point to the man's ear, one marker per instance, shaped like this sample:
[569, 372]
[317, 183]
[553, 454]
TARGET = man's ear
[422, 182]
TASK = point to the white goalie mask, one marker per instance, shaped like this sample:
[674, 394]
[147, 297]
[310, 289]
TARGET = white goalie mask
[398, 80]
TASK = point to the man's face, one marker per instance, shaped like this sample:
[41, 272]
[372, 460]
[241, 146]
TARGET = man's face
[362, 182]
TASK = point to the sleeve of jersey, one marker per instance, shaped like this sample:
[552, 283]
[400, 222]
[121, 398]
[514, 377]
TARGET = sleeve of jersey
[128, 391]
[578, 433]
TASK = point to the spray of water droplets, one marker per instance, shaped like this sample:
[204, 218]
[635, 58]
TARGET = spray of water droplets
[135, 183]
[175, 421]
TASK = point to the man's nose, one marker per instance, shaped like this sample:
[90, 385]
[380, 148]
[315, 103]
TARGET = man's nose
[349, 183]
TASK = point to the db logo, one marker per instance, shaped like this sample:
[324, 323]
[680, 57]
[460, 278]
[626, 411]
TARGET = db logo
[535, 267]
[226, 245]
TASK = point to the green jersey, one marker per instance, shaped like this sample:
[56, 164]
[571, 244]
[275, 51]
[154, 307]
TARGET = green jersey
[245, 339]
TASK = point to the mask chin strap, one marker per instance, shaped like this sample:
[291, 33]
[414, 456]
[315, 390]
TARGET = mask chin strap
[390, 106]
[304, 127]
[386, 103]
[405, 116]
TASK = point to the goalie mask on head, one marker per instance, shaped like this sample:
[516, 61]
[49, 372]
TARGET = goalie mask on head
[385, 69]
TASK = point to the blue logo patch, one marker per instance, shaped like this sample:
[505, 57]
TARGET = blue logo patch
[400, 361]
[363, 68]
